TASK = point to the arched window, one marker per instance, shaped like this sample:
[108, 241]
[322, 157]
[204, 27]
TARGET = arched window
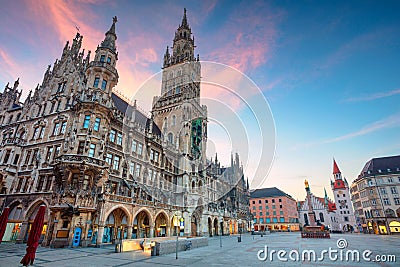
[193, 185]
[173, 119]
[171, 138]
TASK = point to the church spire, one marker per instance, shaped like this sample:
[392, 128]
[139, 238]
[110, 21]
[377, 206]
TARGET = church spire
[111, 36]
[184, 19]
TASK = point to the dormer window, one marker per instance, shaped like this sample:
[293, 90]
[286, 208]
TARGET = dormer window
[108, 60]
[102, 58]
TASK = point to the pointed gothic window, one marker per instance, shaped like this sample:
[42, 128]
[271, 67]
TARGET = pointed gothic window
[170, 138]
[173, 120]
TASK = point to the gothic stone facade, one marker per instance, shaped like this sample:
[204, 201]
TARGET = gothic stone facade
[103, 168]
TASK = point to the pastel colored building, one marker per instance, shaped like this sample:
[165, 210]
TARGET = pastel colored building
[273, 210]
[376, 196]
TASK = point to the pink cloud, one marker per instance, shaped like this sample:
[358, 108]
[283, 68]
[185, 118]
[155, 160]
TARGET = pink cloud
[253, 45]
[65, 16]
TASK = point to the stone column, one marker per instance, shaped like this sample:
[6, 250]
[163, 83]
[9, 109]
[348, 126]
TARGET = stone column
[22, 233]
[129, 232]
[151, 230]
[100, 233]
[188, 224]
[54, 233]
[51, 181]
[168, 232]
[204, 225]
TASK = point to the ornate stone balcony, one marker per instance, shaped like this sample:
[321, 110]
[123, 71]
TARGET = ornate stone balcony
[13, 141]
[82, 159]
[105, 65]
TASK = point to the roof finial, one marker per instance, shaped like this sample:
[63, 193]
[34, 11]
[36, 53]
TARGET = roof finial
[184, 19]
[16, 83]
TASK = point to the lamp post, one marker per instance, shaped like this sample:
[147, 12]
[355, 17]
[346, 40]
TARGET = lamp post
[240, 230]
[220, 219]
[176, 224]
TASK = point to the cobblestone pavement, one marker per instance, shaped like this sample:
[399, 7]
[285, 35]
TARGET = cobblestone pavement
[231, 253]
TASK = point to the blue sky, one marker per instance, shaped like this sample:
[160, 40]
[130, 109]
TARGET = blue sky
[329, 69]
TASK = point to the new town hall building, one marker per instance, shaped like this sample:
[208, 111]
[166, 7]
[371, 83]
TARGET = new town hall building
[103, 168]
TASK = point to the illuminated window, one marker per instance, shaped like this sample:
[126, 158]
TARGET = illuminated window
[96, 125]
[92, 148]
[86, 122]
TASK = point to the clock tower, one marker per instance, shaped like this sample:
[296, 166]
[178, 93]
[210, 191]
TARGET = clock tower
[178, 113]
[342, 196]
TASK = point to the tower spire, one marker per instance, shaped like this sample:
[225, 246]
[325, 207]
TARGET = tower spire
[111, 36]
[184, 19]
[335, 167]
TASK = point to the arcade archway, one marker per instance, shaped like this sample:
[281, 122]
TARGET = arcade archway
[210, 227]
[116, 226]
[161, 225]
[141, 225]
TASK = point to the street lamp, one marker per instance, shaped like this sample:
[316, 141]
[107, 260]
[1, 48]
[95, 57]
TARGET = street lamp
[220, 226]
[240, 230]
[176, 225]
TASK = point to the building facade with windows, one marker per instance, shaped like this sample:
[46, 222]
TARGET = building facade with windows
[104, 169]
[376, 196]
[273, 210]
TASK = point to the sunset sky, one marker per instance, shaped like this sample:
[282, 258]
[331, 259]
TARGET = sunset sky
[328, 69]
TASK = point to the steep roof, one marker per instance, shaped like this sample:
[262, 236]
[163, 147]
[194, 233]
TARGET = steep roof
[384, 165]
[268, 192]
[335, 167]
[140, 118]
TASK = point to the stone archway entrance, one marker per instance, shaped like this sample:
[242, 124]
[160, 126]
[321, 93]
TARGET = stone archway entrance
[141, 225]
[14, 222]
[30, 215]
[216, 227]
[116, 226]
[161, 225]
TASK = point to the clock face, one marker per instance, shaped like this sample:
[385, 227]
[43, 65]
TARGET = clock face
[340, 192]
[197, 135]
